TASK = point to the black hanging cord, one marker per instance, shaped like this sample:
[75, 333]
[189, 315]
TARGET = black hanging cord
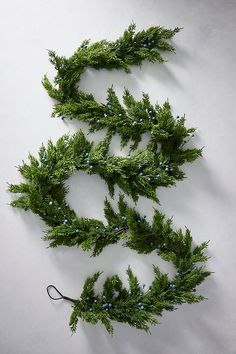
[60, 297]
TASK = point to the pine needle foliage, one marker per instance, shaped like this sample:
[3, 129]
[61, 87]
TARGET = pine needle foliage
[138, 305]
[130, 49]
[135, 306]
[44, 189]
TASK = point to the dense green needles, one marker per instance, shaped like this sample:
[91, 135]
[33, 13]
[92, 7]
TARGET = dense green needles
[130, 49]
[140, 173]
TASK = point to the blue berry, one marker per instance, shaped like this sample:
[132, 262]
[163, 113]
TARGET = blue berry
[50, 203]
[105, 115]
[124, 218]
[141, 173]
[139, 303]
[142, 307]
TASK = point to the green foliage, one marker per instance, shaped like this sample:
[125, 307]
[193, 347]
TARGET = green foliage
[130, 49]
[44, 193]
[136, 305]
[138, 174]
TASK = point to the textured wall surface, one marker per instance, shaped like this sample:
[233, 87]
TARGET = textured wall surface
[200, 81]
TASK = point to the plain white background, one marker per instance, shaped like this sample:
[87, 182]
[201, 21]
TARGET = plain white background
[200, 81]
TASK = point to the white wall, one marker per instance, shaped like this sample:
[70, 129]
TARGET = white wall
[199, 81]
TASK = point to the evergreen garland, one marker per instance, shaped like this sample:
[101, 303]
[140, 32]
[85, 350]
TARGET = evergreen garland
[138, 174]
[44, 192]
[130, 49]
[136, 305]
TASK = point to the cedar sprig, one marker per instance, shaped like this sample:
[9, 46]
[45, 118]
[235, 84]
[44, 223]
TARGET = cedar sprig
[137, 305]
[130, 49]
[137, 175]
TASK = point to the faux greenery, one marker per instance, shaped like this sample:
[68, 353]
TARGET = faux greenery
[130, 49]
[138, 305]
[138, 174]
[44, 192]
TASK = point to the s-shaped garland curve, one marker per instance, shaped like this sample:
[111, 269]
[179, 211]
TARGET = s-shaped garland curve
[140, 173]
[44, 193]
